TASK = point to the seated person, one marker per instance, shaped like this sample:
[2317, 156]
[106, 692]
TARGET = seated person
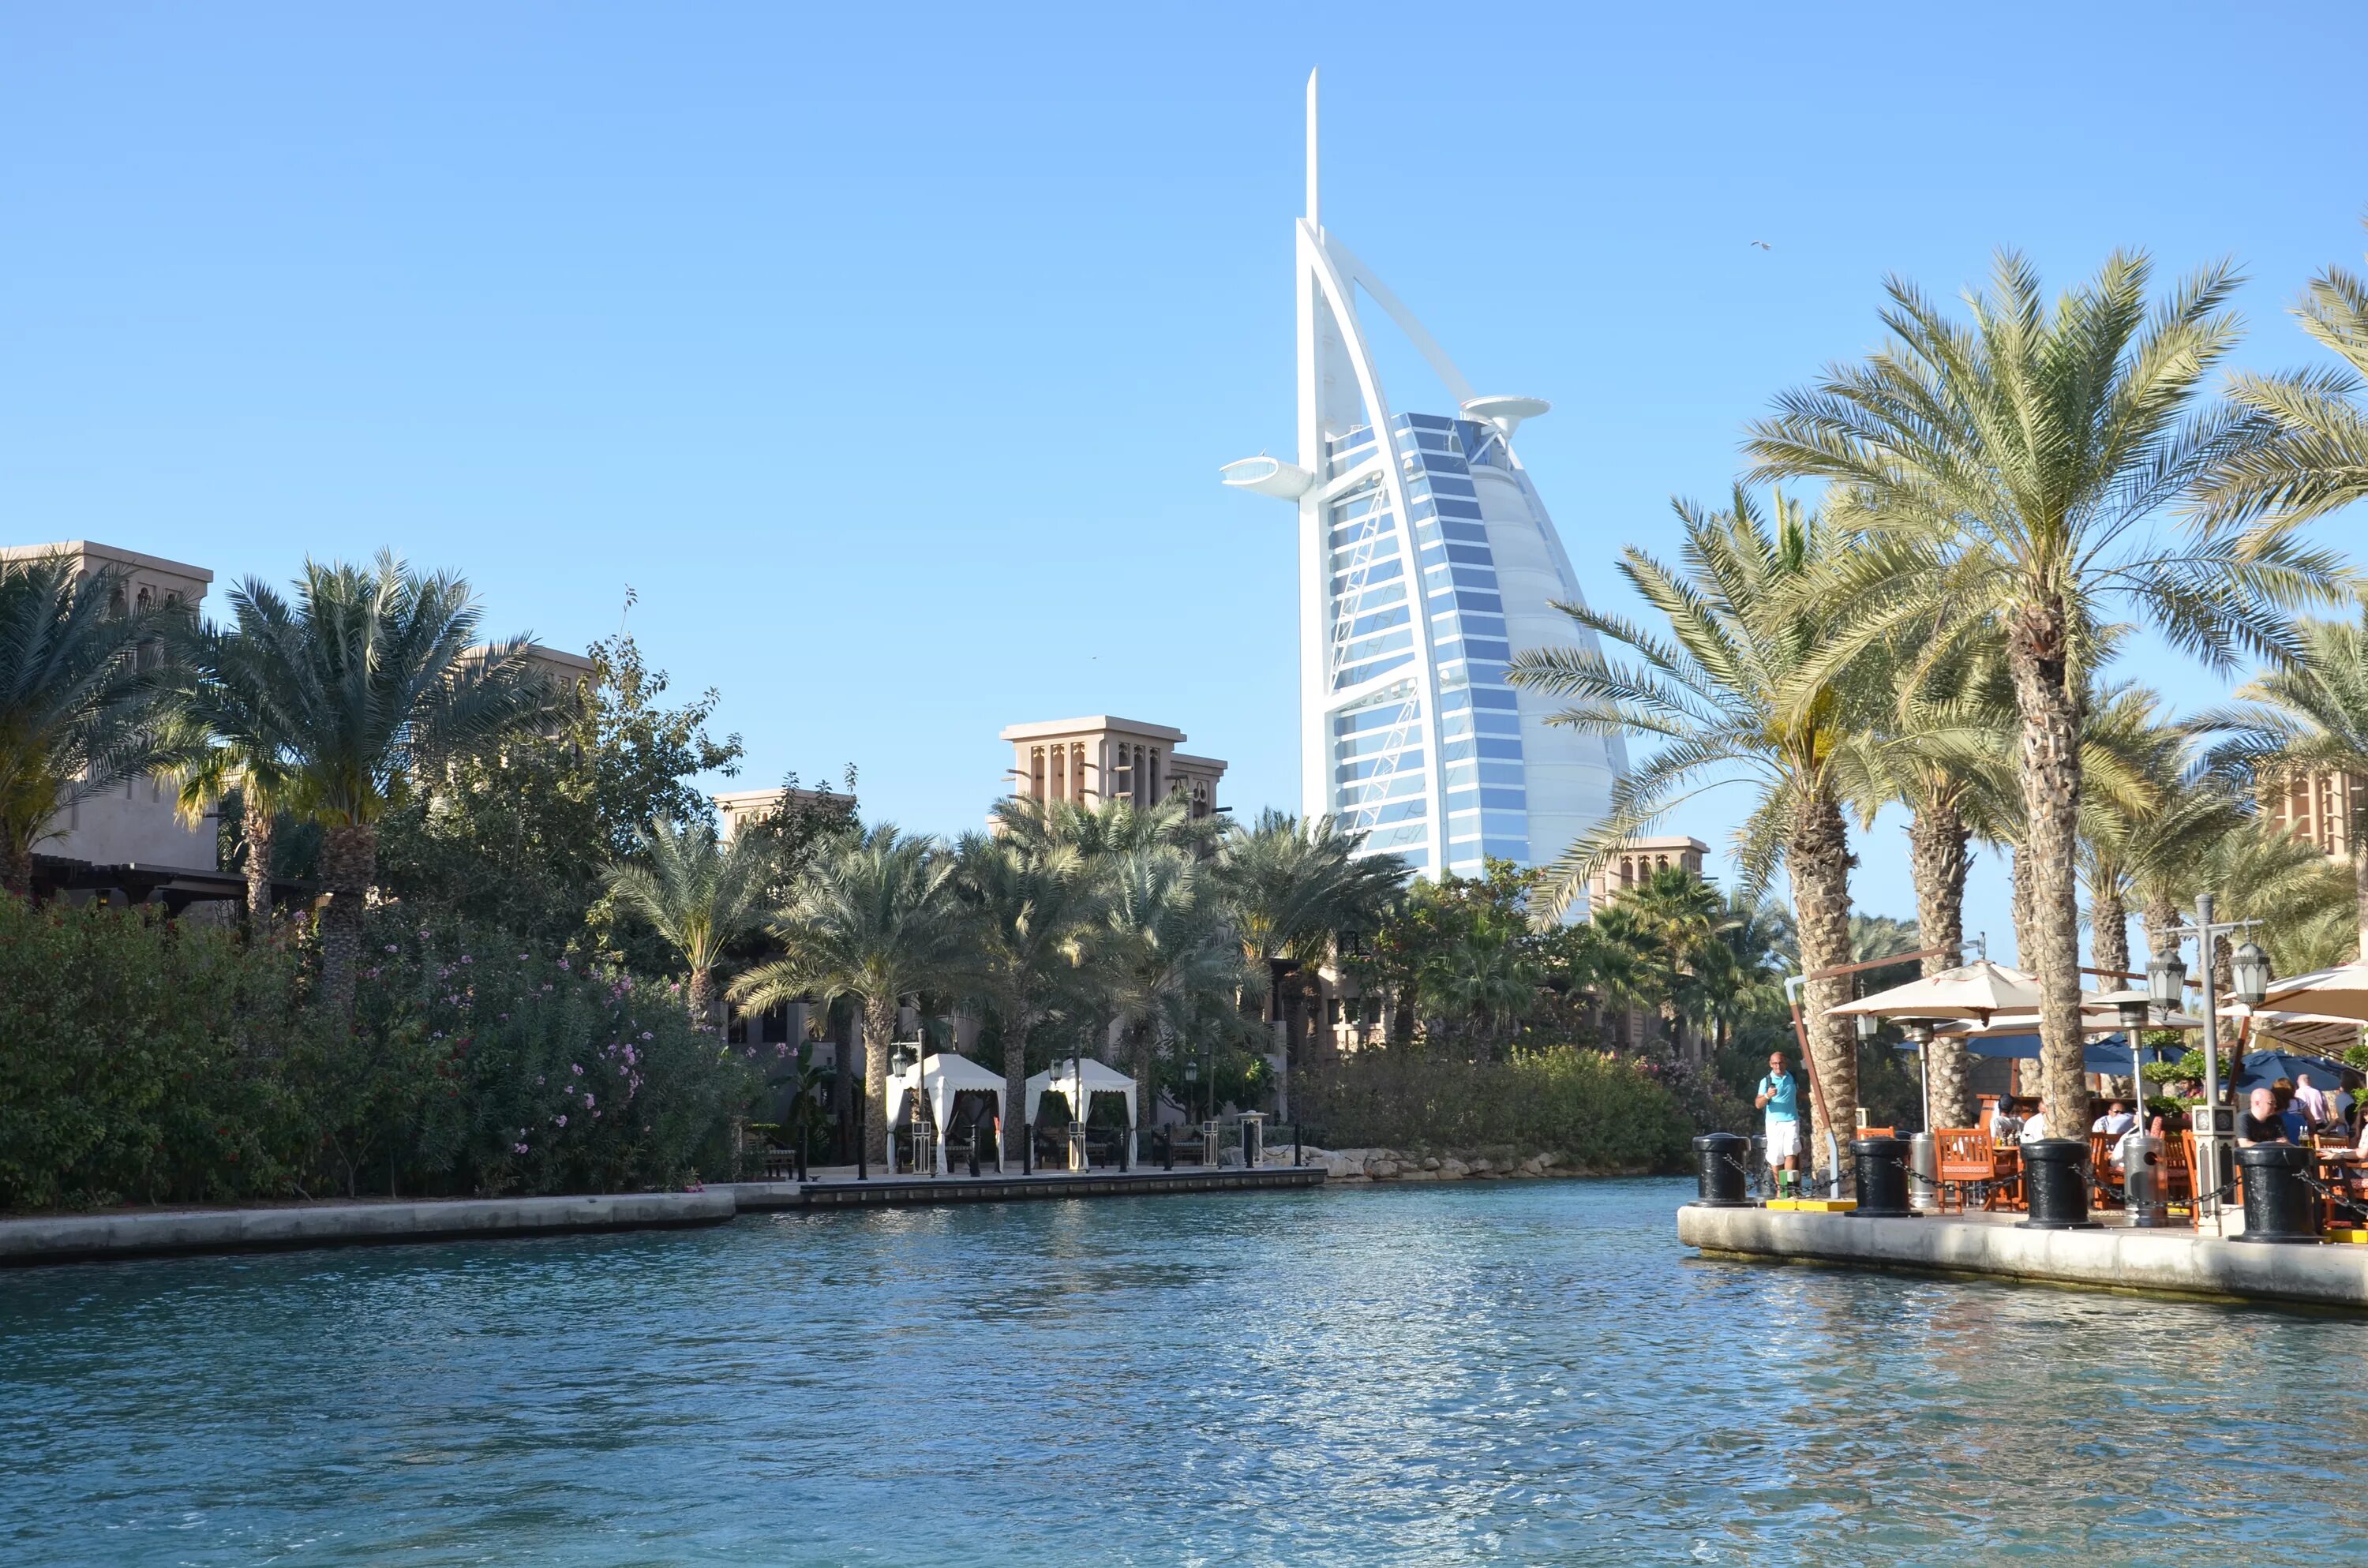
[2311, 1100]
[2004, 1123]
[2116, 1121]
[2261, 1122]
[2035, 1126]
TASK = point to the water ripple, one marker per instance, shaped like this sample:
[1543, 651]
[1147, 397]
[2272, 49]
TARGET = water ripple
[1522, 1373]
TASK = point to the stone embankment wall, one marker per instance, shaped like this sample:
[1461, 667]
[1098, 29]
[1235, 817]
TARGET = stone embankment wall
[1393, 1165]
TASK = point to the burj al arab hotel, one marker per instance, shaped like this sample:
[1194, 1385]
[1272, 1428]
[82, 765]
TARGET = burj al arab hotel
[1425, 559]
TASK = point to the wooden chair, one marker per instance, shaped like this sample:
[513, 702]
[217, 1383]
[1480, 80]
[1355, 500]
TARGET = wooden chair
[2104, 1192]
[1963, 1158]
[2178, 1168]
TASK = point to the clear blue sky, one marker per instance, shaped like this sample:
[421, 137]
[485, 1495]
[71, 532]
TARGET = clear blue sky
[890, 353]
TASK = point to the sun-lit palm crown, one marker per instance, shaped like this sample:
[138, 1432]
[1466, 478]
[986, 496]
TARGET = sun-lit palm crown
[1724, 690]
[696, 892]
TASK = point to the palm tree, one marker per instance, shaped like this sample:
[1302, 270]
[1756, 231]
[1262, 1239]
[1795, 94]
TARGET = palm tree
[2319, 460]
[223, 710]
[699, 894]
[1291, 887]
[1680, 915]
[1163, 953]
[874, 919]
[369, 679]
[1730, 694]
[2003, 475]
[79, 714]
[1031, 901]
[2308, 715]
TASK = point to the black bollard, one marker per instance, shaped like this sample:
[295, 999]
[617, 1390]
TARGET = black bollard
[1028, 1148]
[862, 1147]
[2279, 1205]
[2055, 1180]
[1166, 1148]
[1722, 1175]
[1882, 1178]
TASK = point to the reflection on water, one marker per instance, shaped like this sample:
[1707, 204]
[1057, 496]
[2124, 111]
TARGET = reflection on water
[1531, 1372]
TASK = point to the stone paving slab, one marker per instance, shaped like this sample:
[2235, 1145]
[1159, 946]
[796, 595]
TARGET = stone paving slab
[77, 1238]
[2174, 1262]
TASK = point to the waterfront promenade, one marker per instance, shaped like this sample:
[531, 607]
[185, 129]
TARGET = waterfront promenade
[72, 1238]
[2164, 1261]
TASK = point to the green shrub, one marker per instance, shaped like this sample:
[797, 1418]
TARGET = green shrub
[1592, 1108]
[154, 1061]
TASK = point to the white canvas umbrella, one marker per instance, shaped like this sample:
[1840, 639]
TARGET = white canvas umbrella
[1977, 990]
[2338, 992]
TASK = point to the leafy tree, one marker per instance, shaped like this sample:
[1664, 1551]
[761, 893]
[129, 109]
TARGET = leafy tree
[368, 681]
[1746, 690]
[79, 714]
[874, 919]
[2002, 476]
[698, 895]
[1163, 954]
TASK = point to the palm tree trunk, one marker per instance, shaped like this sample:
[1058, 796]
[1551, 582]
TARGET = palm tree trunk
[349, 862]
[2026, 944]
[1817, 854]
[2109, 934]
[2161, 920]
[15, 865]
[1936, 861]
[2051, 711]
[879, 1030]
[702, 991]
[256, 821]
[1015, 1087]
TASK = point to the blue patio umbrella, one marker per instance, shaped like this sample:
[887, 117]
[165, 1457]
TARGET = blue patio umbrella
[2110, 1055]
[2263, 1068]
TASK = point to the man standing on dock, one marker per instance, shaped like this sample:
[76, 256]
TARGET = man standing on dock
[1780, 1096]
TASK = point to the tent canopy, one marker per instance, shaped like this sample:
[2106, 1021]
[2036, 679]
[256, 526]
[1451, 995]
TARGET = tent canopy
[943, 1076]
[1063, 1078]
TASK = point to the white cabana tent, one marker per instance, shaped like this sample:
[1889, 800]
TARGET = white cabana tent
[942, 1076]
[1077, 1079]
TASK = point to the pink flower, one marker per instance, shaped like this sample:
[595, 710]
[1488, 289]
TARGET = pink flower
[562, 963]
[538, 1077]
[577, 1068]
[646, 1035]
[563, 1119]
[391, 948]
[518, 1148]
[588, 1101]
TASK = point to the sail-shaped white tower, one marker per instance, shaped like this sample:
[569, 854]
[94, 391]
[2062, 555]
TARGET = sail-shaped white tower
[1425, 558]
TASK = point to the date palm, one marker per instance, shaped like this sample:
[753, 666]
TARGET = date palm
[2005, 474]
[349, 692]
[1163, 953]
[1742, 690]
[2308, 715]
[699, 894]
[874, 919]
[2318, 461]
[1290, 887]
[78, 713]
[231, 743]
[1031, 902]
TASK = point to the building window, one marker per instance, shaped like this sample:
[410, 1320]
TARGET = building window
[1036, 773]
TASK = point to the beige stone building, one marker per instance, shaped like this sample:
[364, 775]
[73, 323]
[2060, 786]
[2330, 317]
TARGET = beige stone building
[2318, 807]
[1100, 759]
[128, 844]
[1638, 859]
[741, 806]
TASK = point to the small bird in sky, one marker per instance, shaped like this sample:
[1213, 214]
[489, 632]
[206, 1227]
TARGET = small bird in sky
[1762, 244]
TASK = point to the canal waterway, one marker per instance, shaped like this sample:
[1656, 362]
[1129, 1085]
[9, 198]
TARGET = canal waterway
[1502, 1372]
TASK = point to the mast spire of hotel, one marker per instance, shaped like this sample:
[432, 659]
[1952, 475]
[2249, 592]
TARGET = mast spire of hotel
[1426, 557]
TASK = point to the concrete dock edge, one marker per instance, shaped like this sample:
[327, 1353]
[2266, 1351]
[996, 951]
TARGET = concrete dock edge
[2152, 1262]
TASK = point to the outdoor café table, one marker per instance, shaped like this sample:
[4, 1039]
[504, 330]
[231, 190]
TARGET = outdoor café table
[2337, 1167]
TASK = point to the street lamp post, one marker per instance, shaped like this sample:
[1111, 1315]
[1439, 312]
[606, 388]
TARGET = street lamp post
[2164, 978]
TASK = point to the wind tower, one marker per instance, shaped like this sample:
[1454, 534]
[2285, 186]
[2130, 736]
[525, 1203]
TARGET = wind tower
[1425, 558]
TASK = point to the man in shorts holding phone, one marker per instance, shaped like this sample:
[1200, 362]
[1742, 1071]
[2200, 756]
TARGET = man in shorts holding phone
[1780, 1096]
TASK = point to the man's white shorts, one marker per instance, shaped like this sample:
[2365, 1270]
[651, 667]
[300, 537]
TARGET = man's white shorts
[1783, 1140]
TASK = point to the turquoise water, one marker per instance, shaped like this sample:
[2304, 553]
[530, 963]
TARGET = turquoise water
[1528, 1372]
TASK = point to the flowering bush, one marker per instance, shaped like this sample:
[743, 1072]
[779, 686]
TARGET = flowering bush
[156, 1061]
